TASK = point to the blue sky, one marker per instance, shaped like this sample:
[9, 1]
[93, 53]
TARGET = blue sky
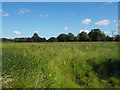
[49, 19]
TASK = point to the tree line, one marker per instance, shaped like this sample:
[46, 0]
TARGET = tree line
[93, 35]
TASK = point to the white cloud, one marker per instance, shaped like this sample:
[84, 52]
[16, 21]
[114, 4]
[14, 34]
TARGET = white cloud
[66, 28]
[106, 32]
[36, 31]
[23, 11]
[84, 31]
[103, 23]
[116, 33]
[0, 10]
[17, 32]
[86, 21]
[81, 31]
[43, 15]
[6, 14]
[114, 21]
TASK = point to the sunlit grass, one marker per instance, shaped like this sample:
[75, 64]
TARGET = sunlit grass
[61, 65]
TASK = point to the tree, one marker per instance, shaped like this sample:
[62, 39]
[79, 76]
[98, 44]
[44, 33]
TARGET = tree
[6, 40]
[102, 36]
[16, 39]
[96, 35]
[107, 38]
[117, 38]
[93, 35]
[29, 40]
[52, 39]
[83, 36]
[62, 38]
[36, 38]
[69, 37]
[75, 38]
[111, 39]
[44, 39]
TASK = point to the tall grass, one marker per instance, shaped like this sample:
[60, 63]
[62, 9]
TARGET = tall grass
[61, 65]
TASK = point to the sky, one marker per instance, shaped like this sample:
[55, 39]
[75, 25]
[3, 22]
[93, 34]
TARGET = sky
[49, 19]
[60, 0]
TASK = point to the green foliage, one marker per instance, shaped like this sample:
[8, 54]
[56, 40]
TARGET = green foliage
[44, 39]
[61, 65]
[107, 38]
[6, 40]
[36, 38]
[103, 36]
[75, 38]
[96, 35]
[117, 38]
[52, 39]
[62, 38]
[69, 37]
[83, 36]
[93, 35]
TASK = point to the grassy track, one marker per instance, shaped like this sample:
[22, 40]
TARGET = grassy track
[61, 65]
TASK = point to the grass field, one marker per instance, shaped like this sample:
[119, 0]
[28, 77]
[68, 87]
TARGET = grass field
[61, 65]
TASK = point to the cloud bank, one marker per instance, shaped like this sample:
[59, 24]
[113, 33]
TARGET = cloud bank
[103, 23]
[17, 32]
[86, 21]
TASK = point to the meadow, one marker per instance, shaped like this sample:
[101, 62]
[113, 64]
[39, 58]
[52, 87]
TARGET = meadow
[60, 65]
